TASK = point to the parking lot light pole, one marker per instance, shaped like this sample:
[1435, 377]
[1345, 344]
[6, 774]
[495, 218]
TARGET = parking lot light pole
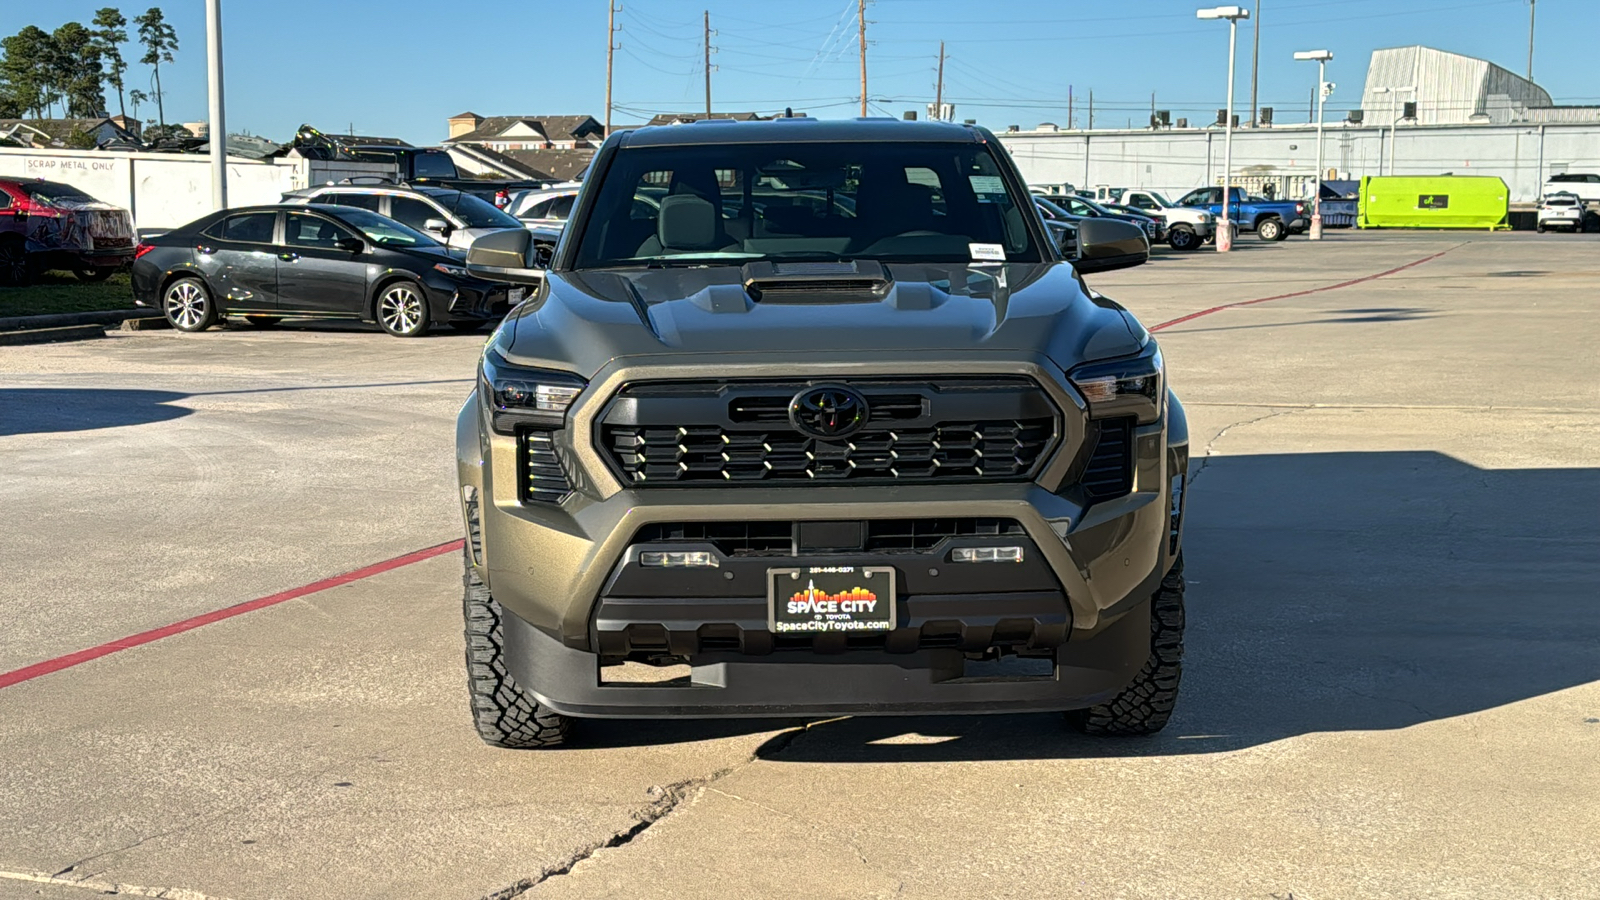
[1233, 14]
[1323, 90]
[1394, 118]
[217, 128]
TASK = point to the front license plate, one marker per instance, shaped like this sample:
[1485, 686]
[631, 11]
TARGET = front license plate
[516, 295]
[830, 598]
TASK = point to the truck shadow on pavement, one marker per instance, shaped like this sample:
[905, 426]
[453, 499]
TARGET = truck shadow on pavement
[1332, 592]
[48, 410]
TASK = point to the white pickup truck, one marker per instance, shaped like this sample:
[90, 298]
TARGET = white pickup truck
[1187, 228]
[1585, 186]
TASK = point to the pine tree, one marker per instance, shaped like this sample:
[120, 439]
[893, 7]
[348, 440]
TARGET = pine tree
[111, 32]
[159, 40]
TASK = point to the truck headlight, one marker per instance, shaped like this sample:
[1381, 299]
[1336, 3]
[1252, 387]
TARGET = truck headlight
[1130, 386]
[1205, 218]
[521, 396]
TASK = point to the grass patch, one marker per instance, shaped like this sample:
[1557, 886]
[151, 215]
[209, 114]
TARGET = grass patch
[62, 292]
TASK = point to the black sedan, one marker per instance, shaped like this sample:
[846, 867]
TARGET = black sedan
[267, 263]
[1067, 205]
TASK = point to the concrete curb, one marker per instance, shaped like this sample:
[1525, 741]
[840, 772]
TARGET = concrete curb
[67, 320]
[51, 335]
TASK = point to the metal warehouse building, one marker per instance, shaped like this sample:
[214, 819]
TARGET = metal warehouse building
[1470, 117]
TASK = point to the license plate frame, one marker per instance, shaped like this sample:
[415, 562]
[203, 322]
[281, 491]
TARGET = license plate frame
[835, 601]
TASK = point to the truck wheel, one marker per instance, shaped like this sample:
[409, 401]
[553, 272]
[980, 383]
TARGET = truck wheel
[1182, 237]
[505, 714]
[14, 268]
[1144, 705]
[403, 310]
[1271, 230]
[188, 305]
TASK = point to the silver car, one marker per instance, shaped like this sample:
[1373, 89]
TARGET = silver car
[455, 218]
[546, 208]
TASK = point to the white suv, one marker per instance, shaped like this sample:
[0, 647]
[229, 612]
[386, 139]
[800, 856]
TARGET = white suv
[1565, 210]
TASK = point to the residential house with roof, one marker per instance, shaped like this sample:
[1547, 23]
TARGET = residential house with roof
[43, 134]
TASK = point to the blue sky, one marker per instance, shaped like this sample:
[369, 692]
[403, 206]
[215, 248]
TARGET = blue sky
[401, 67]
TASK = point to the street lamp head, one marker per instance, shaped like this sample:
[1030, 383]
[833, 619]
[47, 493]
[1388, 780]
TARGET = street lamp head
[1315, 55]
[1223, 12]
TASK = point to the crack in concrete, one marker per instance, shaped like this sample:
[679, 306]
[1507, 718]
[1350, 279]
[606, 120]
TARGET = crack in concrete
[1210, 448]
[107, 887]
[668, 799]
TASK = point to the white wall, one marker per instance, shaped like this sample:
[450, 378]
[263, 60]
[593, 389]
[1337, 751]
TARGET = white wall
[1176, 161]
[165, 190]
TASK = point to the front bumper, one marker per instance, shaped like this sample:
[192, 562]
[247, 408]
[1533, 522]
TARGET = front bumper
[564, 573]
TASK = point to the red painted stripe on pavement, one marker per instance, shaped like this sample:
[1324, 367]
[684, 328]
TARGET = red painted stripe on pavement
[28, 673]
[1331, 287]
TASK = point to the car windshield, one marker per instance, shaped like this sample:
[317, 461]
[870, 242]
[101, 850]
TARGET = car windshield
[384, 231]
[50, 193]
[475, 211]
[891, 202]
[1160, 200]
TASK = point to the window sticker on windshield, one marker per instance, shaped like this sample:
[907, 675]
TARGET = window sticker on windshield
[987, 187]
[987, 252]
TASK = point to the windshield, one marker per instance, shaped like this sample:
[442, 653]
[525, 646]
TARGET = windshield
[899, 202]
[383, 231]
[477, 212]
[48, 192]
[1160, 200]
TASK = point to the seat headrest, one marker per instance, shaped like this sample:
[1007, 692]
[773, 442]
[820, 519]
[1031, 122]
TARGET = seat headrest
[687, 222]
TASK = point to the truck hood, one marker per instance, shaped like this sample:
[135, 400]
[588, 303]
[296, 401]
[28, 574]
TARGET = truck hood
[583, 320]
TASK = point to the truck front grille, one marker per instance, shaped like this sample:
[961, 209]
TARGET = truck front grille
[783, 538]
[951, 430]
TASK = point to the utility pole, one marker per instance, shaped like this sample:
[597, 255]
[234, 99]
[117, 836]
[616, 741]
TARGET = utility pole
[708, 63]
[611, 46]
[1530, 38]
[938, 90]
[1152, 109]
[1091, 109]
[1069, 107]
[861, 20]
[218, 128]
[1255, 63]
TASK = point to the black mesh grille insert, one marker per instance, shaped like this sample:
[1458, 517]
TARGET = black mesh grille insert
[544, 480]
[1109, 473]
[958, 429]
[777, 538]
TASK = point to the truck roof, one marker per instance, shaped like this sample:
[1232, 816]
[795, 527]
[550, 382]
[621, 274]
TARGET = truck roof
[800, 129]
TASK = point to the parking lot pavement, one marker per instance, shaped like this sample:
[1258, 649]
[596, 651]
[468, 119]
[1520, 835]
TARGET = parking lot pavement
[1390, 686]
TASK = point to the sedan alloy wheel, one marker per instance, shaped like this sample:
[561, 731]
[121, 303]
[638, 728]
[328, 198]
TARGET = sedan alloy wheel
[402, 311]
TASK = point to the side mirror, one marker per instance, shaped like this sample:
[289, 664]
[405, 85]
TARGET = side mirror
[352, 244]
[1107, 244]
[508, 255]
[436, 226]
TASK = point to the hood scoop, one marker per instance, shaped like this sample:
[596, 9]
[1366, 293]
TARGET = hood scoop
[844, 281]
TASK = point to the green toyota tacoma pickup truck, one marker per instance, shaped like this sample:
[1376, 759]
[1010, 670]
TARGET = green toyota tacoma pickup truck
[809, 419]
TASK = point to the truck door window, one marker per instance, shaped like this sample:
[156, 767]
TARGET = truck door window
[413, 212]
[433, 164]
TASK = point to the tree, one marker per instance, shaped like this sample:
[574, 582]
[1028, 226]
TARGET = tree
[77, 73]
[159, 40]
[111, 32]
[81, 140]
[28, 69]
[137, 97]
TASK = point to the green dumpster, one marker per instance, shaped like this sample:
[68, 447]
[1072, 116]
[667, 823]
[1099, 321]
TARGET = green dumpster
[1435, 201]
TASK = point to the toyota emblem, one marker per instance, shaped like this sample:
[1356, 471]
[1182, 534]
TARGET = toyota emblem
[828, 412]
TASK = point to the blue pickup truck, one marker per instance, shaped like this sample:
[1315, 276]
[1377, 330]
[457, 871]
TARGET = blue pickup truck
[1271, 220]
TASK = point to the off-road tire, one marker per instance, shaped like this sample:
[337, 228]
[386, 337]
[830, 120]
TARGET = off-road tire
[505, 714]
[262, 321]
[1271, 230]
[1146, 703]
[1183, 238]
[16, 269]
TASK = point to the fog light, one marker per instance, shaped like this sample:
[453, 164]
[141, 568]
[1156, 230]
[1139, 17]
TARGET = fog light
[678, 559]
[986, 554]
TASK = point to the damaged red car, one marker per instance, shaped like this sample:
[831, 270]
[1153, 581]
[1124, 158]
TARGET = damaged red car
[50, 225]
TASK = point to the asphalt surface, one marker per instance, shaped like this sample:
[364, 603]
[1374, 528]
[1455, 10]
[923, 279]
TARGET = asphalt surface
[1392, 683]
